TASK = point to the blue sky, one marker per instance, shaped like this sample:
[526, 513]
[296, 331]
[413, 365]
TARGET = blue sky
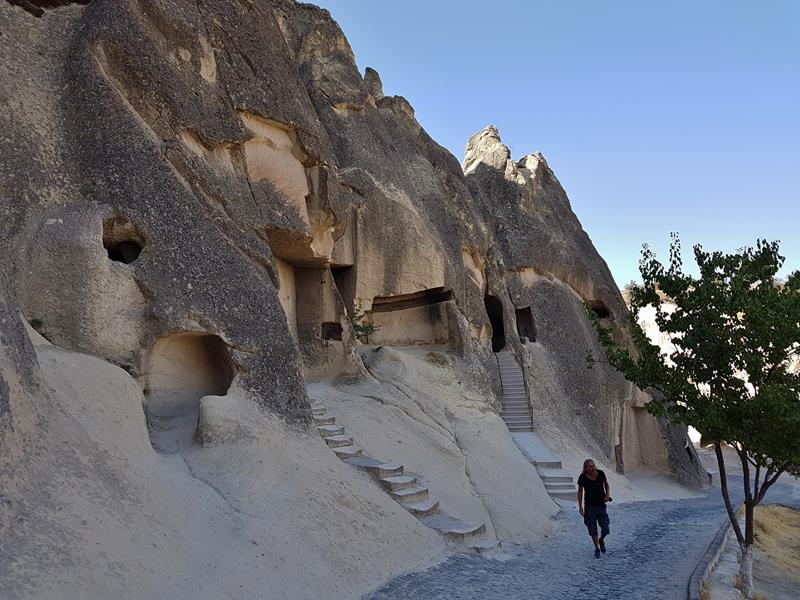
[655, 116]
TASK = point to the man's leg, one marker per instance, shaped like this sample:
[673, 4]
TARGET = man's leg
[590, 520]
[603, 520]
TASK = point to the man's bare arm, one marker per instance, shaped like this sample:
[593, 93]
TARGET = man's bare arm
[608, 490]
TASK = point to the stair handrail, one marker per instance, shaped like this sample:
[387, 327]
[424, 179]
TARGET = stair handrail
[499, 376]
[527, 391]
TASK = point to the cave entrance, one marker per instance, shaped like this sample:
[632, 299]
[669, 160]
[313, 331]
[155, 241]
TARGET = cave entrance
[600, 309]
[181, 369]
[332, 331]
[344, 278]
[526, 328]
[404, 301]
[419, 318]
[494, 308]
[122, 240]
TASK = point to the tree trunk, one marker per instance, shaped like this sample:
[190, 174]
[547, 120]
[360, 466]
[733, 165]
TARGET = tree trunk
[746, 570]
[746, 566]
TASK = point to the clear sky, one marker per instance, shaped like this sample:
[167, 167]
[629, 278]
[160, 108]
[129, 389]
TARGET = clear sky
[655, 116]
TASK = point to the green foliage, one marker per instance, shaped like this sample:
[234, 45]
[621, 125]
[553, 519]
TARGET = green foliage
[360, 330]
[736, 332]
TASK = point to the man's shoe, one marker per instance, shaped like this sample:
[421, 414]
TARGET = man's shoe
[597, 552]
[602, 546]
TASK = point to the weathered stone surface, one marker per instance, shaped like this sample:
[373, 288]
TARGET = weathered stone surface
[212, 196]
[262, 179]
[551, 269]
[534, 225]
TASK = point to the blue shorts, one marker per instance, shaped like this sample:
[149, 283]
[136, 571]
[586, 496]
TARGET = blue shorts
[592, 515]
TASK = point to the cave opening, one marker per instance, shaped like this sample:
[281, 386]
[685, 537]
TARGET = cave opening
[332, 331]
[600, 309]
[494, 308]
[122, 240]
[344, 278]
[526, 328]
[180, 370]
[404, 301]
[418, 318]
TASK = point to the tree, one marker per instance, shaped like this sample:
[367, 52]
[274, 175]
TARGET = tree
[736, 332]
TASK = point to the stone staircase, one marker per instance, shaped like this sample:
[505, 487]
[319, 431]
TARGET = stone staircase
[516, 411]
[404, 488]
[518, 417]
[557, 481]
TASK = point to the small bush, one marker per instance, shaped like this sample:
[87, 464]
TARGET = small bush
[360, 330]
[705, 590]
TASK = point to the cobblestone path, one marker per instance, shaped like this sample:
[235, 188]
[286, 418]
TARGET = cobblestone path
[652, 550]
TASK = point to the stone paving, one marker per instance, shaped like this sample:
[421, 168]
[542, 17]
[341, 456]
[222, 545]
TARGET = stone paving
[652, 550]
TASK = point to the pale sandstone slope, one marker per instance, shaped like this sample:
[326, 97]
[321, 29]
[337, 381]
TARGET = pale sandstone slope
[97, 513]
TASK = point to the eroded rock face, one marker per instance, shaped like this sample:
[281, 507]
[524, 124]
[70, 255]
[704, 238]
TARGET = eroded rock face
[552, 274]
[211, 196]
[223, 169]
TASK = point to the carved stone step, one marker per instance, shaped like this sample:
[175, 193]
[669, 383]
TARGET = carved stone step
[336, 441]
[344, 452]
[561, 487]
[324, 419]
[375, 467]
[330, 430]
[533, 448]
[399, 482]
[564, 494]
[452, 527]
[422, 508]
[410, 495]
[554, 475]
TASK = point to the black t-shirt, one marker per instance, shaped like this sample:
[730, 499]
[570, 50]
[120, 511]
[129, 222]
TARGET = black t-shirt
[594, 491]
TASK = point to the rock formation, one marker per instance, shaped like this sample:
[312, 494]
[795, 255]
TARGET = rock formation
[547, 270]
[205, 198]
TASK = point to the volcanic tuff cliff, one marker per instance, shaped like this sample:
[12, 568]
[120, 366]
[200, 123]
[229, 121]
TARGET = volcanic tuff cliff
[209, 194]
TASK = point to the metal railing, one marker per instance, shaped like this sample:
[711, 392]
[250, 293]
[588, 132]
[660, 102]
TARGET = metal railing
[527, 390]
[524, 381]
[499, 376]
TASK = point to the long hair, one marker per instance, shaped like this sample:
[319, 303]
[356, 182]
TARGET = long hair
[586, 464]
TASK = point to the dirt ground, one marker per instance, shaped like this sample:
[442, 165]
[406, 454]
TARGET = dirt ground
[776, 566]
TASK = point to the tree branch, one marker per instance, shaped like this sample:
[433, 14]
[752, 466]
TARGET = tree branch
[755, 486]
[768, 482]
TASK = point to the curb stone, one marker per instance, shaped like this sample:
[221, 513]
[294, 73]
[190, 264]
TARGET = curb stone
[709, 560]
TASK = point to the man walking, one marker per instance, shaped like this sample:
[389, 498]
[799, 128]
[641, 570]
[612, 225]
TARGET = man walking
[593, 485]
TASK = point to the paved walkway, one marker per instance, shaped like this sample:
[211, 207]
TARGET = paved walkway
[652, 550]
